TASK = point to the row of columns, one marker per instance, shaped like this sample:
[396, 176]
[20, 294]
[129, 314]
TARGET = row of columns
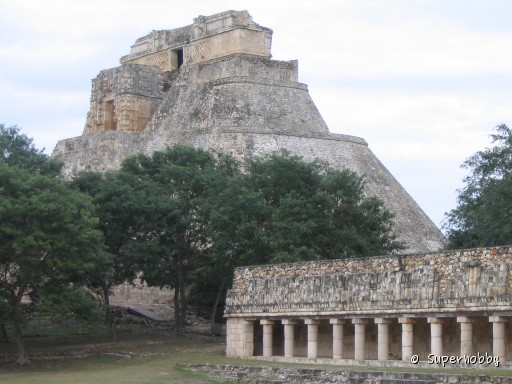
[436, 334]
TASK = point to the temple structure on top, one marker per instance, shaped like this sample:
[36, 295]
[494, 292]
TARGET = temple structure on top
[213, 85]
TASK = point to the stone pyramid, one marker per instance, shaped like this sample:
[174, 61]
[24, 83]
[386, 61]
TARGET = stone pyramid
[213, 85]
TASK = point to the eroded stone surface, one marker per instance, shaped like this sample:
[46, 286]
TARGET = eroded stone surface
[472, 280]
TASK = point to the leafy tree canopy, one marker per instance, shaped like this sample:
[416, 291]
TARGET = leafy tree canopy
[483, 216]
[16, 149]
[315, 212]
[48, 240]
[284, 209]
[174, 186]
[118, 207]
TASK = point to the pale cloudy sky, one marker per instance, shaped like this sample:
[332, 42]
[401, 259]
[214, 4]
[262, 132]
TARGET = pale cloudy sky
[423, 81]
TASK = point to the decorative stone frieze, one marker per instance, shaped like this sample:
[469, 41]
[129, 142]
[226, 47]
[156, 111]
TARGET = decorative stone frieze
[419, 282]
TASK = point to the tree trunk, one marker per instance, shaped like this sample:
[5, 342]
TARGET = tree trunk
[17, 322]
[215, 305]
[180, 305]
[5, 336]
[176, 305]
[23, 357]
[109, 319]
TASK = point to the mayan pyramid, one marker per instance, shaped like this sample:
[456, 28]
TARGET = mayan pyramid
[213, 85]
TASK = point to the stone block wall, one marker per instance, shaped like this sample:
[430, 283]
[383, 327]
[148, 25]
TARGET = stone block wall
[239, 339]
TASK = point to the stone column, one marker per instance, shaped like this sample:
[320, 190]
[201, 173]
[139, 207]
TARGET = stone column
[407, 337]
[382, 338]
[337, 338]
[312, 337]
[359, 338]
[436, 335]
[466, 335]
[289, 337]
[267, 337]
[498, 336]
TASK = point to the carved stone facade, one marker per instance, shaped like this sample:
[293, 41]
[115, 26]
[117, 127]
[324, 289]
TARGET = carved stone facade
[454, 303]
[124, 99]
[213, 85]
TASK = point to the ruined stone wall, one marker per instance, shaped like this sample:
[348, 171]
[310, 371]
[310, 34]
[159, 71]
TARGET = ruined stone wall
[140, 293]
[471, 280]
[89, 152]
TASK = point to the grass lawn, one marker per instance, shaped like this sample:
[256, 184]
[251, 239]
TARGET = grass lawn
[138, 358]
[153, 359]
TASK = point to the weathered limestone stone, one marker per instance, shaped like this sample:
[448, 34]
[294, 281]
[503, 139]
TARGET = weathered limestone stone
[498, 336]
[359, 338]
[383, 338]
[267, 337]
[139, 293]
[466, 335]
[337, 338]
[266, 374]
[213, 85]
[289, 337]
[407, 337]
[312, 338]
[436, 335]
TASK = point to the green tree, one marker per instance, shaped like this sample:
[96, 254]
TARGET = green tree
[316, 212]
[118, 207]
[171, 234]
[235, 213]
[284, 209]
[16, 149]
[483, 216]
[48, 240]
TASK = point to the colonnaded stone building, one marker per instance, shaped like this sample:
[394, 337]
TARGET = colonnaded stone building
[213, 85]
[451, 303]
